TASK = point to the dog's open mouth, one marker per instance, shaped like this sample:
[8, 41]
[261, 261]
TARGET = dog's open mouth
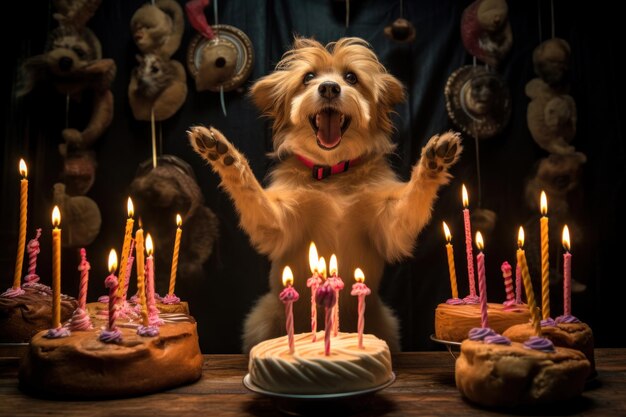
[329, 126]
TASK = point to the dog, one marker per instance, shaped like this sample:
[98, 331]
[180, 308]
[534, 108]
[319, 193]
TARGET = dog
[332, 184]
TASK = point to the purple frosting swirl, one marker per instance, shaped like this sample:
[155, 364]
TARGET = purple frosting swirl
[479, 333]
[111, 336]
[13, 292]
[80, 321]
[148, 331]
[509, 303]
[57, 333]
[497, 339]
[539, 343]
[103, 299]
[549, 322]
[567, 319]
[170, 299]
[455, 301]
[472, 299]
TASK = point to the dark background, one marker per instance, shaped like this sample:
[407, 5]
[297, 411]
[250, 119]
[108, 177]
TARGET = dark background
[235, 275]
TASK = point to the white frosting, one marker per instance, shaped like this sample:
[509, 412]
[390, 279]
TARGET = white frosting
[309, 371]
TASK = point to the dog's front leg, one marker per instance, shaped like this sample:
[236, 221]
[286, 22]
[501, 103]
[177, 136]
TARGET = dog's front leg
[260, 215]
[409, 209]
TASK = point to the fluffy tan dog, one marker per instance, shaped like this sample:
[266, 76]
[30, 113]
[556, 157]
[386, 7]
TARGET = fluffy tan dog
[330, 107]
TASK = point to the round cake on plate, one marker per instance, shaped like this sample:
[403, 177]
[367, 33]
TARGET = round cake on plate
[308, 370]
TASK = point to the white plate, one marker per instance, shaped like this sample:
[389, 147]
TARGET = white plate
[247, 382]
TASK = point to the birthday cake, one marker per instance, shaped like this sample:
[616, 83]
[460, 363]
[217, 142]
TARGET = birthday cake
[22, 316]
[308, 370]
[569, 334]
[453, 321]
[494, 374]
[81, 365]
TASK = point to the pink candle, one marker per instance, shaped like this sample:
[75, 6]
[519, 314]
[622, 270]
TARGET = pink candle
[153, 311]
[508, 283]
[326, 296]
[288, 295]
[337, 283]
[33, 250]
[111, 283]
[360, 290]
[518, 284]
[482, 282]
[84, 268]
[313, 283]
[471, 298]
[567, 274]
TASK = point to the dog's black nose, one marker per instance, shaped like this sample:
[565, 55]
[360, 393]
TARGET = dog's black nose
[65, 63]
[329, 89]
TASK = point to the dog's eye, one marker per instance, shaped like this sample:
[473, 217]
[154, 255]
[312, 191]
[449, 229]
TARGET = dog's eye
[154, 69]
[308, 77]
[350, 77]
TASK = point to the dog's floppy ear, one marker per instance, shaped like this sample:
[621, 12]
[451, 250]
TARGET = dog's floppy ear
[391, 91]
[264, 93]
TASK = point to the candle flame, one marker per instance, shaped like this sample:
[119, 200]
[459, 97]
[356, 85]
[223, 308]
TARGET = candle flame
[313, 259]
[332, 265]
[359, 276]
[149, 246]
[112, 261]
[544, 203]
[23, 169]
[56, 216]
[179, 220]
[480, 244]
[566, 242]
[465, 197]
[520, 237]
[321, 267]
[446, 231]
[287, 276]
[130, 207]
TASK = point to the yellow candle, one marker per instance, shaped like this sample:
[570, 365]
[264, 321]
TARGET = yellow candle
[179, 222]
[446, 231]
[528, 285]
[125, 249]
[56, 268]
[141, 273]
[545, 263]
[21, 242]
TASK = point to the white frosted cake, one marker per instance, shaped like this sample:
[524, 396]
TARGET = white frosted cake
[309, 371]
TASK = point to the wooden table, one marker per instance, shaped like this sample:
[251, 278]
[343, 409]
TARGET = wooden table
[424, 387]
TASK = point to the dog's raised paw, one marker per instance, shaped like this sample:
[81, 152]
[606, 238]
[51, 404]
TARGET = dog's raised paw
[441, 151]
[211, 145]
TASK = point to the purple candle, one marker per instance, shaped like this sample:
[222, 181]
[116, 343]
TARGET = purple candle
[567, 274]
[482, 282]
[288, 295]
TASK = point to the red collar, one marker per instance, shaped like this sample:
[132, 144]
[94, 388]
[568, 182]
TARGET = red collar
[322, 171]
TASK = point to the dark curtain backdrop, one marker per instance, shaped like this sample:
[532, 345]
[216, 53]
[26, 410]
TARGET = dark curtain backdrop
[235, 275]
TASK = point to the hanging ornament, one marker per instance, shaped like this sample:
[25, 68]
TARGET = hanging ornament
[478, 101]
[401, 30]
[486, 31]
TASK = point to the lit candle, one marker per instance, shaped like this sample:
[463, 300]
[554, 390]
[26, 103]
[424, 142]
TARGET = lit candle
[153, 311]
[446, 231]
[288, 295]
[471, 298]
[545, 263]
[508, 283]
[528, 285]
[482, 280]
[179, 231]
[33, 249]
[313, 283]
[21, 242]
[337, 283]
[360, 290]
[111, 334]
[325, 296]
[128, 232]
[129, 269]
[567, 274]
[141, 275]
[56, 268]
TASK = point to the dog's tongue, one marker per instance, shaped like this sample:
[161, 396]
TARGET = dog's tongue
[329, 131]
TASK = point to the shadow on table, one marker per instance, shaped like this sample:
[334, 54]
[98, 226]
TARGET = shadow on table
[575, 406]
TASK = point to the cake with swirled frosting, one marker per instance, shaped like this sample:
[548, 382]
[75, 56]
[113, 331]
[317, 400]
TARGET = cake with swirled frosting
[308, 370]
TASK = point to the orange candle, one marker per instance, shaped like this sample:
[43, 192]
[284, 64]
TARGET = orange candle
[141, 274]
[21, 242]
[179, 222]
[451, 268]
[56, 268]
[128, 232]
[545, 263]
[528, 285]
